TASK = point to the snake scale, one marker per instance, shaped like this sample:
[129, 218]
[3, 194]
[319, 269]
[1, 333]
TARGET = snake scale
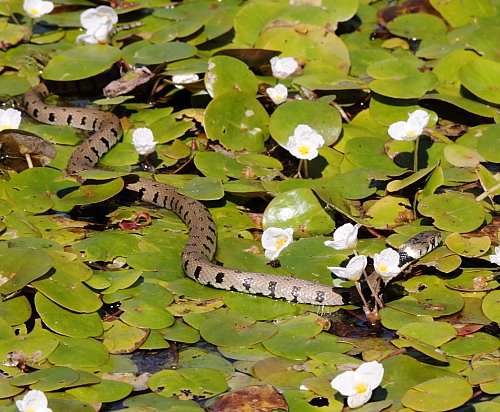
[200, 248]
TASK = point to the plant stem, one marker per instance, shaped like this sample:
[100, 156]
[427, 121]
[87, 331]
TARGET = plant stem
[415, 154]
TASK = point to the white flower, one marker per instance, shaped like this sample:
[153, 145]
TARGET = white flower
[10, 119]
[358, 385]
[180, 79]
[353, 270]
[37, 8]
[33, 401]
[496, 257]
[143, 141]
[95, 17]
[274, 240]
[345, 237]
[98, 22]
[410, 129]
[386, 264]
[282, 68]
[278, 93]
[305, 142]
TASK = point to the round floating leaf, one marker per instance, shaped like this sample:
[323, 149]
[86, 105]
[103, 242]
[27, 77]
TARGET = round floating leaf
[164, 53]
[417, 26]
[398, 79]
[355, 184]
[106, 391]
[16, 310]
[389, 212]
[435, 395]
[67, 291]
[50, 379]
[195, 358]
[488, 144]
[227, 73]
[65, 322]
[429, 296]
[435, 333]
[369, 153]
[141, 314]
[203, 188]
[460, 13]
[13, 85]
[93, 193]
[474, 344]
[120, 338]
[17, 266]
[218, 166]
[260, 308]
[453, 212]
[321, 117]
[7, 390]
[481, 78]
[299, 209]
[180, 332]
[81, 62]
[491, 305]
[188, 383]
[395, 319]
[470, 247]
[465, 104]
[234, 330]
[34, 347]
[244, 124]
[403, 372]
[79, 353]
[462, 156]
[310, 43]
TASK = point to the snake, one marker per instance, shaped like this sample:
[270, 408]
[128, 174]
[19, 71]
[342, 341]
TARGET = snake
[198, 253]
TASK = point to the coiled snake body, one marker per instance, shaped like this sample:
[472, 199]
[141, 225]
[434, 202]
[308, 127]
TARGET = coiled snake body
[199, 251]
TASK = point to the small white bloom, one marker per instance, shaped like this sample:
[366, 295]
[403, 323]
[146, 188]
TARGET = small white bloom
[344, 237]
[143, 141]
[410, 129]
[180, 79]
[33, 401]
[386, 264]
[282, 68]
[278, 93]
[37, 8]
[353, 270]
[274, 240]
[98, 22]
[496, 257]
[358, 385]
[10, 119]
[95, 17]
[305, 142]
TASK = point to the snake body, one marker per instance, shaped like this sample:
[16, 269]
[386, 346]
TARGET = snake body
[200, 248]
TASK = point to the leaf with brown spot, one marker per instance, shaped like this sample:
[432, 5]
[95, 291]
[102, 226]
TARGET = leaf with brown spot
[260, 398]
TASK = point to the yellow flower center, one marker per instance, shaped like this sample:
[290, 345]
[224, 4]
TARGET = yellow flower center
[4, 127]
[279, 243]
[33, 11]
[361, 387]
[410, 134]
[303, 150]
[382, 268]
[278, 97]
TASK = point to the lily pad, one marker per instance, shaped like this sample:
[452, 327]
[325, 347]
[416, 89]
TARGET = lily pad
[188, 383]
[453, 212]
[235, 330]
[244, 124]
[435, 395]
[81, 62]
